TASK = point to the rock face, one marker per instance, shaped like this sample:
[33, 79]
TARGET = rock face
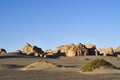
[81, 49]
[107, 51]
[91, 49]
[31, 50]
[117, 51]
[2, 51]
[71, 50]
[48, 53]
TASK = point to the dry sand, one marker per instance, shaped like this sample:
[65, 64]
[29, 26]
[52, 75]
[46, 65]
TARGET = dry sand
[11, 63]
[103, 71]
[39, 65]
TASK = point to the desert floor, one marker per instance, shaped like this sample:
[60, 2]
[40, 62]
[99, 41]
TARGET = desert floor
[12, 62]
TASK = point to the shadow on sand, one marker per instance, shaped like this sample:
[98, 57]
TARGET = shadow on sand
[15, 55]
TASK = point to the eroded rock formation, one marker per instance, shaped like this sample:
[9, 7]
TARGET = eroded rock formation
[106, 51]
[91, 49]
[2, 51]
[32, 50]
[71, 50]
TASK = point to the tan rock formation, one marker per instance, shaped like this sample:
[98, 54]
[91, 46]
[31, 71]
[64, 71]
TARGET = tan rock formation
[81, 49]
[27, 49]
[71, 50]
[91, 49]
[107, 51]
[89, 46]
[31, 50]
[2, 51]
[117, 49]
[48, 53]
[18, 51]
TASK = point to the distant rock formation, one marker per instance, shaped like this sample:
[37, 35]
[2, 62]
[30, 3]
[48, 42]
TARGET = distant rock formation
[48, 53]
[71, 50]
[106, 51]
[32, 50]
[91, 49]
[81, 50]
[117, 51]
[18, 51]
[68, 50]
[2, 51]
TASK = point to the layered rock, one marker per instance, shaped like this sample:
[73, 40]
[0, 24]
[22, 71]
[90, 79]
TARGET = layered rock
[2, 51]
[32, 50]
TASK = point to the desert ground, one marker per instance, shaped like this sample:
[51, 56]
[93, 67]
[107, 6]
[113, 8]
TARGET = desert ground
[12, 63]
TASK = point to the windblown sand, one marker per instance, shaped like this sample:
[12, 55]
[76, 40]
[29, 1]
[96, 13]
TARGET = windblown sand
[11, 65]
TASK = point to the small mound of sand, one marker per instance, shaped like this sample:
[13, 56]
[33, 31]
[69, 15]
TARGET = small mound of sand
[98, 66]
[40, 65]
[103, 71]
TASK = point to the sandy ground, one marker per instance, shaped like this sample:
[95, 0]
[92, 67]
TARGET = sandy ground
[11, 63]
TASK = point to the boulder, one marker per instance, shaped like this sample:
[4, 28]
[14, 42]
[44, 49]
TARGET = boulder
[71, 52]
[48, 53]
[106, 51]
[117, 49]
[62, 50]
[27, 49]
[36, 54]
[18, 51]
[2, 51]
[91, 49]
[81, 49]
[31, 50]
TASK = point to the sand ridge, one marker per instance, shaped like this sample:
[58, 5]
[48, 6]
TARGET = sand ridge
[40, 65]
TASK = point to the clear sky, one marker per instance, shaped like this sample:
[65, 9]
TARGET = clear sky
[50, 23]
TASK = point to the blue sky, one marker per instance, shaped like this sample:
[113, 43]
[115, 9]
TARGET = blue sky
[50, 23]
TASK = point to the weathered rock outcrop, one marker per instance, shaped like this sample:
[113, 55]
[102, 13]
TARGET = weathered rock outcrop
[71, 50]
[32, 50]
[48, 53]
[107, 51]
[91, 49]
[117, 51]
[2, 51]
[81, 49]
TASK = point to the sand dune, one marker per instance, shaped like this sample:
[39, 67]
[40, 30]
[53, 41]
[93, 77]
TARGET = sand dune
[39, 65]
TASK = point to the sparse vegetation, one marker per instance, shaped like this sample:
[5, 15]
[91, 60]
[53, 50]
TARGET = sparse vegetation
[96, 64]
